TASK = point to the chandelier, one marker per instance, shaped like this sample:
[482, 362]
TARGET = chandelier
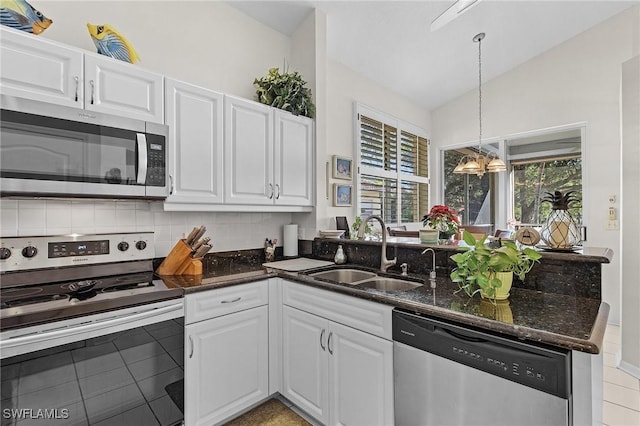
[478, 163]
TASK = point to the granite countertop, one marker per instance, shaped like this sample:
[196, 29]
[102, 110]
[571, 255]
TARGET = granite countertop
[557, 320]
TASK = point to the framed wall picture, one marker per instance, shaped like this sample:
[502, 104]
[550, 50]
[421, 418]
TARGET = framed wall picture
[342, 167]
[342, 194]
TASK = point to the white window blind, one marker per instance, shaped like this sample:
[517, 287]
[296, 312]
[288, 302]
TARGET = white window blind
[393, 173]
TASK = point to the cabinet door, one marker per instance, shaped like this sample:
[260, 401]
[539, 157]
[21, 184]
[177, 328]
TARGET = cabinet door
[293, 165]
[120, 88]
[226, 365]
[304, 362]
[35, 68]
[360, 377]
[248, 144]
[194, 117]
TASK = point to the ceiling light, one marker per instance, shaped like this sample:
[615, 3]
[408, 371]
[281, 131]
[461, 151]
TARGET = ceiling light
[478, 164]
[452, 13]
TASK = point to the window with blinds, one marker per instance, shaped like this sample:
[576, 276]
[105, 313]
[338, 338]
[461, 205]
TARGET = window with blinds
[393, 178]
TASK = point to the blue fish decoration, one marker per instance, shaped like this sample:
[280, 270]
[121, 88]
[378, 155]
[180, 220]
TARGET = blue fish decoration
[109, 42]
[22, 16]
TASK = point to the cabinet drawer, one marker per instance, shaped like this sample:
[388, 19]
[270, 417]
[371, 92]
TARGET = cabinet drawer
[370, 317]
[217, 302]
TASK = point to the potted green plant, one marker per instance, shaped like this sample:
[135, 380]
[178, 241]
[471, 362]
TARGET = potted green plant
[490, 271]
[286, 91]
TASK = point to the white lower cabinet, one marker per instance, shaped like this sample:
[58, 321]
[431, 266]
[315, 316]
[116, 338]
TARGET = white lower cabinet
[226, 357]
[337, 374]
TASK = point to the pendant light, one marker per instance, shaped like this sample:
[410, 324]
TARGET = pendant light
[478, 164]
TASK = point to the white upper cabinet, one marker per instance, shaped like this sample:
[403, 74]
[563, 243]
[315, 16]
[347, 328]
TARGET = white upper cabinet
[116, 87]
[38, 69]
[268, 154]
[248, 152]
[194, 117]
[293, 166]
[42, 70]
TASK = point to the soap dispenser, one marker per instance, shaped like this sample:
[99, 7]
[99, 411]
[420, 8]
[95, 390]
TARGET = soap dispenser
[340, 257]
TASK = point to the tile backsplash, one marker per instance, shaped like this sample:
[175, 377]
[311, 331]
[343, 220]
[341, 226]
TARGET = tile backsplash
[228, 231]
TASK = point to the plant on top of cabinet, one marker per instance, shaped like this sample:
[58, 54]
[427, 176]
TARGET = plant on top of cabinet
[285, 91]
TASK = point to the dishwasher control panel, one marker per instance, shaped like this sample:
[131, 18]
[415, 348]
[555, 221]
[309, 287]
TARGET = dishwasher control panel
[533, 366]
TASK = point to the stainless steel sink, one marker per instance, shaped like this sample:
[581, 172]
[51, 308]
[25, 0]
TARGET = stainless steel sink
[344, 276]
[389, 284]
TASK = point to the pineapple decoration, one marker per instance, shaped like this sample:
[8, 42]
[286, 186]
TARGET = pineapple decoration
[560, 231]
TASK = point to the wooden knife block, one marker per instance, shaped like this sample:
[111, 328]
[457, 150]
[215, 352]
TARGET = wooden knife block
[180, 262]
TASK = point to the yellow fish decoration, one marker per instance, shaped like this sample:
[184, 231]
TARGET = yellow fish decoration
[110, 42]
[22, 16]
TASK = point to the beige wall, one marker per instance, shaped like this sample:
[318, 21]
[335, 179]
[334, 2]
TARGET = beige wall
[577, 81]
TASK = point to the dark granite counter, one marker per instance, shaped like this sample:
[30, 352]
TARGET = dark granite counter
[558, 320]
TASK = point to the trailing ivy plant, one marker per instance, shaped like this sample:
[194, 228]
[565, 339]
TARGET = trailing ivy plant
[285, 91]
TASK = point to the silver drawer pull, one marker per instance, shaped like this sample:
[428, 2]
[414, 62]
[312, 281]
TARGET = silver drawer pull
[231, 301]
[191, 346]
[329, 343]
[321, 337]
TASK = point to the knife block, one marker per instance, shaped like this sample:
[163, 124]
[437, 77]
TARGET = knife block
[180, 262]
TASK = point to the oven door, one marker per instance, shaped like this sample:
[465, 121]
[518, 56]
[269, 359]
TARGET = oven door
[52, 150]
[123, 366]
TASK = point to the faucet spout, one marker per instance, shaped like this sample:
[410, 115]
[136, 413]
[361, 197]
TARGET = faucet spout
[384, 262]
[432, 274]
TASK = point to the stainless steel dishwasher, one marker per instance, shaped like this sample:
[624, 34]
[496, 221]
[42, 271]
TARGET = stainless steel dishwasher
[445, 374]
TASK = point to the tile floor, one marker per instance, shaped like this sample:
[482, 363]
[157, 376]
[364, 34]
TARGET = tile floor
[621, 390]
[118, 379]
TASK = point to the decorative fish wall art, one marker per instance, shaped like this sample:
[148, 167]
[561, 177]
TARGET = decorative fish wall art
[110, 42]
[22, 16]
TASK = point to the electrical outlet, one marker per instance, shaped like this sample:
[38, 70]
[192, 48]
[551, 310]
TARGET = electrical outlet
[612, 225]
[612, 198]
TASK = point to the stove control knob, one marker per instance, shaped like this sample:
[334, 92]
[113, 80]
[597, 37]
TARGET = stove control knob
[29, 251]
[123, 246]
[141, 245]
[5, 253]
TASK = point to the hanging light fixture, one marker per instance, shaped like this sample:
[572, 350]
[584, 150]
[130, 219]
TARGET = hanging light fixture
[478, 164]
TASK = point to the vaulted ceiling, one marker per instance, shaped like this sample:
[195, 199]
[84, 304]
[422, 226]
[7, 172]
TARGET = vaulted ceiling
[390, 42]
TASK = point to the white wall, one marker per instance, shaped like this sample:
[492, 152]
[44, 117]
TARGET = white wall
[344, 87]
[577, 81]
[205, 43]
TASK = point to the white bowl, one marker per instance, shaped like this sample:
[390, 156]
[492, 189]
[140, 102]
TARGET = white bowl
[331, 233]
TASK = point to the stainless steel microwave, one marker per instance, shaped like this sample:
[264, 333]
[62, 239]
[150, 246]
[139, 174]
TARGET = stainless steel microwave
[50, 150]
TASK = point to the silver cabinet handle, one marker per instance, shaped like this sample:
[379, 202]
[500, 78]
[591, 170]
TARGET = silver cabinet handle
[191, 347]
[329, 343]
[76, 79]
[271, 191]
[92, 84]
[231, 301]
[277, 191]
[321, 337]
[170, 184]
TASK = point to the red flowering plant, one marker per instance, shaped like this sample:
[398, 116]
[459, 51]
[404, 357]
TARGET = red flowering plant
[442, 218]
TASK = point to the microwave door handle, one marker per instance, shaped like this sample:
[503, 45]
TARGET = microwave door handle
[142, 158]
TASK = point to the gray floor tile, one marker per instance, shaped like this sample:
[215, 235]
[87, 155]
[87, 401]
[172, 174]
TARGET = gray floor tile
[99, 364]
[172, 342]
[111, 403]
[10, 371]
[9, 388]
[166, 411]
[153, 387]
[55, 375]
[139, 416]
[46, 363]
[52, 397]
[94, 385]
[151, 366]
[170, 329]
[134, 338]
[93, 351]
[138, 353]
[8, 403]
[73, 416]
[178, 356]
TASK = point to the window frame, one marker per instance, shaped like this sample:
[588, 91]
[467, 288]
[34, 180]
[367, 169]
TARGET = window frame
[397, 175]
